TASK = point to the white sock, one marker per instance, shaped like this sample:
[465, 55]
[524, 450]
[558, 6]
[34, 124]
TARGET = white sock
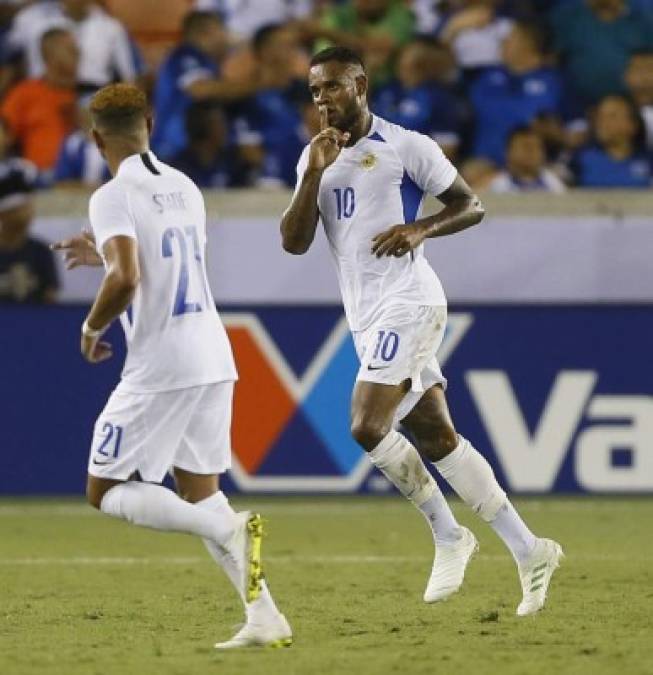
[469, 474]
[514, 532]
[220, 506]
[439, 516]
[157, 507]
[402, 465]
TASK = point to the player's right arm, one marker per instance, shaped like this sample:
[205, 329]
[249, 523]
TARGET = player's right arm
[299, 222]
[114, 296]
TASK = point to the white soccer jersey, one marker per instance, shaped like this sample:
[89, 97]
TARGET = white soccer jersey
[378, 182]
[175, 338]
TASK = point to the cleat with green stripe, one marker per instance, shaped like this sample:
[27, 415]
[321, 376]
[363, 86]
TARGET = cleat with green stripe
[535, 575]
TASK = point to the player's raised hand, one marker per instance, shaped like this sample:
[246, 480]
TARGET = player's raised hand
[326, 146]
[398, 240]
[79, 250]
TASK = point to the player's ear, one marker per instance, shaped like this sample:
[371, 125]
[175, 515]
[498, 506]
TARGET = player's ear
[99, 141]
[361, 85]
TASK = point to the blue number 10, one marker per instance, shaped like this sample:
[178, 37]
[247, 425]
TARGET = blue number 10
[345, 202]
[386, 345]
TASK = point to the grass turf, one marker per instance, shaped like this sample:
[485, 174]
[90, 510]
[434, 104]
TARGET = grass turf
[83, 594]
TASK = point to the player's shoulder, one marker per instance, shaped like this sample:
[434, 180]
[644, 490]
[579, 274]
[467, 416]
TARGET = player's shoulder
[397, 137]
[110, 195]
[177, 175]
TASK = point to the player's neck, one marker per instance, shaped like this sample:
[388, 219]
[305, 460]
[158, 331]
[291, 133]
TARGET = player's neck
[361, 128]
[116, 155]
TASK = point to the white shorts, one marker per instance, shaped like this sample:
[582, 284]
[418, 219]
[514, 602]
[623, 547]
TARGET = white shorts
[151, 433]
[402, 345]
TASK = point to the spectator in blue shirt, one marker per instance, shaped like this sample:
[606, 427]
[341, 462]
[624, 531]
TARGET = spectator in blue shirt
[417, 99]
[80, 163]
[191, 73]
[617, 157]
[272, 117]
[595, 39]
[210, 159]
[515, 94]
[526, 169]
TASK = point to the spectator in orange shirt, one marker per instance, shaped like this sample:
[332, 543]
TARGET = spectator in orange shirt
[40, 113]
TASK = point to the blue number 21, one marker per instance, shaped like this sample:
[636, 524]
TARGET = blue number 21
[182, 306]
[109, 430]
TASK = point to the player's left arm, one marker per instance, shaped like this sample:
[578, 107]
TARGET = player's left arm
[462, 209]
[114, 296]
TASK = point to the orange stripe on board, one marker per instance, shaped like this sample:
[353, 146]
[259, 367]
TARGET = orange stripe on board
[262, 405]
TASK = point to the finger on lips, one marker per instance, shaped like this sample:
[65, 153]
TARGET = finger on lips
[324, 117]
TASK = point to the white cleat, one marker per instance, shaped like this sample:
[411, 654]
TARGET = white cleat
[535, 575]
[245, 548]
[449, 567]
[274, 632]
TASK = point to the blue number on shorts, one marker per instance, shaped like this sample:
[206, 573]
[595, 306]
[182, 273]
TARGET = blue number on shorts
[108, 429]
[386, 345]
[182, 306]
[345, 202]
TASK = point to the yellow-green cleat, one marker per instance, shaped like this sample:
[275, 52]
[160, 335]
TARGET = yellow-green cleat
[254, 563]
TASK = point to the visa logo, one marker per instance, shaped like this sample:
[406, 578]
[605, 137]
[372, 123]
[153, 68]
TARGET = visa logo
[531, 462]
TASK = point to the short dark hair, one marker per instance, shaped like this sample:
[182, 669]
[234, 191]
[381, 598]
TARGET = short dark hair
[263, 34]
[119, 108]
[196, 20]
[339, 54]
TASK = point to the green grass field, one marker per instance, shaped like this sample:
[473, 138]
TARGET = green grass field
[83, 594]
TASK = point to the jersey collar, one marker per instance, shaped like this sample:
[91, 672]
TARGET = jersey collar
[133, 162]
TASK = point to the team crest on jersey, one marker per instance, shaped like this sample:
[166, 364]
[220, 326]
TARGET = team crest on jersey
[369, 161]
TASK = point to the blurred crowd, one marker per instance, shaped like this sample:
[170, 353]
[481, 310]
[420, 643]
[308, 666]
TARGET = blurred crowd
[521, 94]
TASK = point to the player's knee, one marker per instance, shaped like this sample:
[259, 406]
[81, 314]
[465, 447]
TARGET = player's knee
[440, 442]
[93, 496]
[369, 432]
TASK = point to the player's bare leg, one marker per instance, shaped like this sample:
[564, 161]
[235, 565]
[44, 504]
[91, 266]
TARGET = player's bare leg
[469, 474]
[373, 410]
[265, 625]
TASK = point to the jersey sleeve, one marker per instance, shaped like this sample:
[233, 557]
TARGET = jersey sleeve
[110, 215]
[302, 163]
[424, 162]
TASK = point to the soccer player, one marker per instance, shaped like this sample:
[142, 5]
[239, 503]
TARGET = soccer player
[172, 407]
[364, 178]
